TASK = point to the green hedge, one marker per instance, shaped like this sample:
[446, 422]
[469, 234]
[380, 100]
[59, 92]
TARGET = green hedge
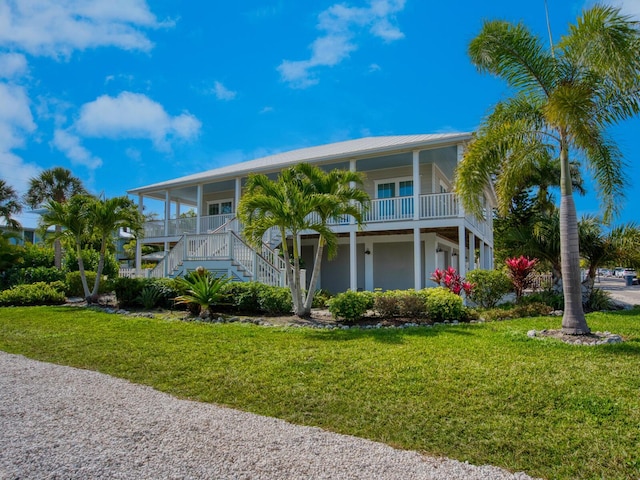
[490, 286]
[40, 293]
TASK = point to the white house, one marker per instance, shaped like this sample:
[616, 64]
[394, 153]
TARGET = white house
[413, 226]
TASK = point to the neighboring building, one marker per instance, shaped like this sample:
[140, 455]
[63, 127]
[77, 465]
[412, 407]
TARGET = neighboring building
[414, 224]
[23, 235]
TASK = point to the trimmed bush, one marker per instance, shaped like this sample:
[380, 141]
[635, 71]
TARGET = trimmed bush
[350, 306]
[387, 304]
[552, 299]
[441, 305]
[275, 300]
[321, 298]
[31, 294]
[244, 297]
[128, 291]
[74, 284]
[490, 287]
[411, 303]
[90, 260]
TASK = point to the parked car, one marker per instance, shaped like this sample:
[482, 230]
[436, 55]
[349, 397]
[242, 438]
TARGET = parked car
[604, 272]
[617, 272]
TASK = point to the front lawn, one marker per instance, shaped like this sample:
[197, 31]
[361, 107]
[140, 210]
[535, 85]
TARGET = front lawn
[485, 393]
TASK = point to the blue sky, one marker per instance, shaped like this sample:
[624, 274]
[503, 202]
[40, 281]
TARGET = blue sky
[126, 93]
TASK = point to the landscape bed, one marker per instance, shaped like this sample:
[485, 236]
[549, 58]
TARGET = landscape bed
[484, 393]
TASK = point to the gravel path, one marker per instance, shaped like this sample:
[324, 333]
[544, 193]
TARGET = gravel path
[65, 423]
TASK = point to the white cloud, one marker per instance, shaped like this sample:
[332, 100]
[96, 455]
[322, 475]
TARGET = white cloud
[266, 109]
[341, 25]
[54, 28]
[15, 116]
[69, 144]
[628, 7]
[12, 65]
[223, 93]
[133, 115]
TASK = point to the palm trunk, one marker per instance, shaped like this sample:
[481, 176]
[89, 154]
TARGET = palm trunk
[83, 275]
[298, 304]
[573, 320]
[317, 265]
[96, 284]
[290, 275]
[57, 249]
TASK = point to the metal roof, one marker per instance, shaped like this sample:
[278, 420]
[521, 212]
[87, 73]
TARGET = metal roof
[333, 151]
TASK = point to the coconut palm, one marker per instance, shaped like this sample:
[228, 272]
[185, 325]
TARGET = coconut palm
[71, 217]
[105, 217]
[58, 185]
[347, 200]
[564, 100]
[9, 205]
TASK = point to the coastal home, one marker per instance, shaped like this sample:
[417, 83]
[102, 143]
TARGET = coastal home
[414, 223]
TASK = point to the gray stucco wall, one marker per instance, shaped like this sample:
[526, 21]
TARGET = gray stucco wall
[393, 265]
[335, 272]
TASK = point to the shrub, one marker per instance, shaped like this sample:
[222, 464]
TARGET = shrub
[90, 260]
[552, 299]
[43, 274]
[598, 300]
[350, 305]
[32, 294]
[37, 256]
[441, 304]
[451, 280]
[520, 271]
[166, 289]
[411, 303]
[320, 298]
[531, 309]
[387, 303]
[149, 296]
[128, 291]
[244, 297]
[202, 289]
[490, 286]
[275, 300]
[74, 284]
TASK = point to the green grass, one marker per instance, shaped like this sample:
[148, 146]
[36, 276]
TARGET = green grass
[484, 393]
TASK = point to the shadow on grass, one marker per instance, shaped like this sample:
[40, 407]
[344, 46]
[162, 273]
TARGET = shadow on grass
[387, 335]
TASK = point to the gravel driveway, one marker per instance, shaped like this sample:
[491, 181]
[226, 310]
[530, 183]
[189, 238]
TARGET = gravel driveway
[65, 423]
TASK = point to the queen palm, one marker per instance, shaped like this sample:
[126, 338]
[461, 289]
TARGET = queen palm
[347, 200]
[105, 217]
[564, 100]
[291, 203]
[9, 205]
[71, 217]
[56, 184]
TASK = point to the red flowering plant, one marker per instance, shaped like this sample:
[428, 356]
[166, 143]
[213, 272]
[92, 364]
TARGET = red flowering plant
[520, 271]
[451, 280]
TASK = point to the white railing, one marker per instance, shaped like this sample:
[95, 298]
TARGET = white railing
[187, 225]
[389, 209]
[439, 205]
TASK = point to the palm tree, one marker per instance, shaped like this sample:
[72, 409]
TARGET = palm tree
[288, 204]
[58, 185]
[564, 100]
[105, 217]
[346, 199]
[71, 217]
[9, 205]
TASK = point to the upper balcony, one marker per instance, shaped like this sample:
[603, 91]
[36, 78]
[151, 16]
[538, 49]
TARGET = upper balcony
[381, 212]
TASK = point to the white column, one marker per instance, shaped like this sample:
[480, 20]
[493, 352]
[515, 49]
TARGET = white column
[416, 186]
[139, 240]
[352, 168]
[178, 208]
[199, 208]
[368, 266]
[417, 260]
[483, 265]
[430, 243]
[353, 262]
[238, 193]
[167, 212]
[472, 251]
[462, 252]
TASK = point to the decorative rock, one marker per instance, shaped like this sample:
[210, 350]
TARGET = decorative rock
[531, 333]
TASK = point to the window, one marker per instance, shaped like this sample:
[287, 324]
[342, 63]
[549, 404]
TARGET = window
[220, 207]
[400, 189]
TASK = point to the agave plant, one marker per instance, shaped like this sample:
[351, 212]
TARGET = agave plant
[202, 290]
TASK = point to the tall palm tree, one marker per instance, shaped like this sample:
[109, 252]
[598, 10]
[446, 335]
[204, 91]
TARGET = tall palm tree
[287, 204]
[565, 99]
[9, 205]
[58, 185]
[346, 200]
[71, 217]
[105, 217]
